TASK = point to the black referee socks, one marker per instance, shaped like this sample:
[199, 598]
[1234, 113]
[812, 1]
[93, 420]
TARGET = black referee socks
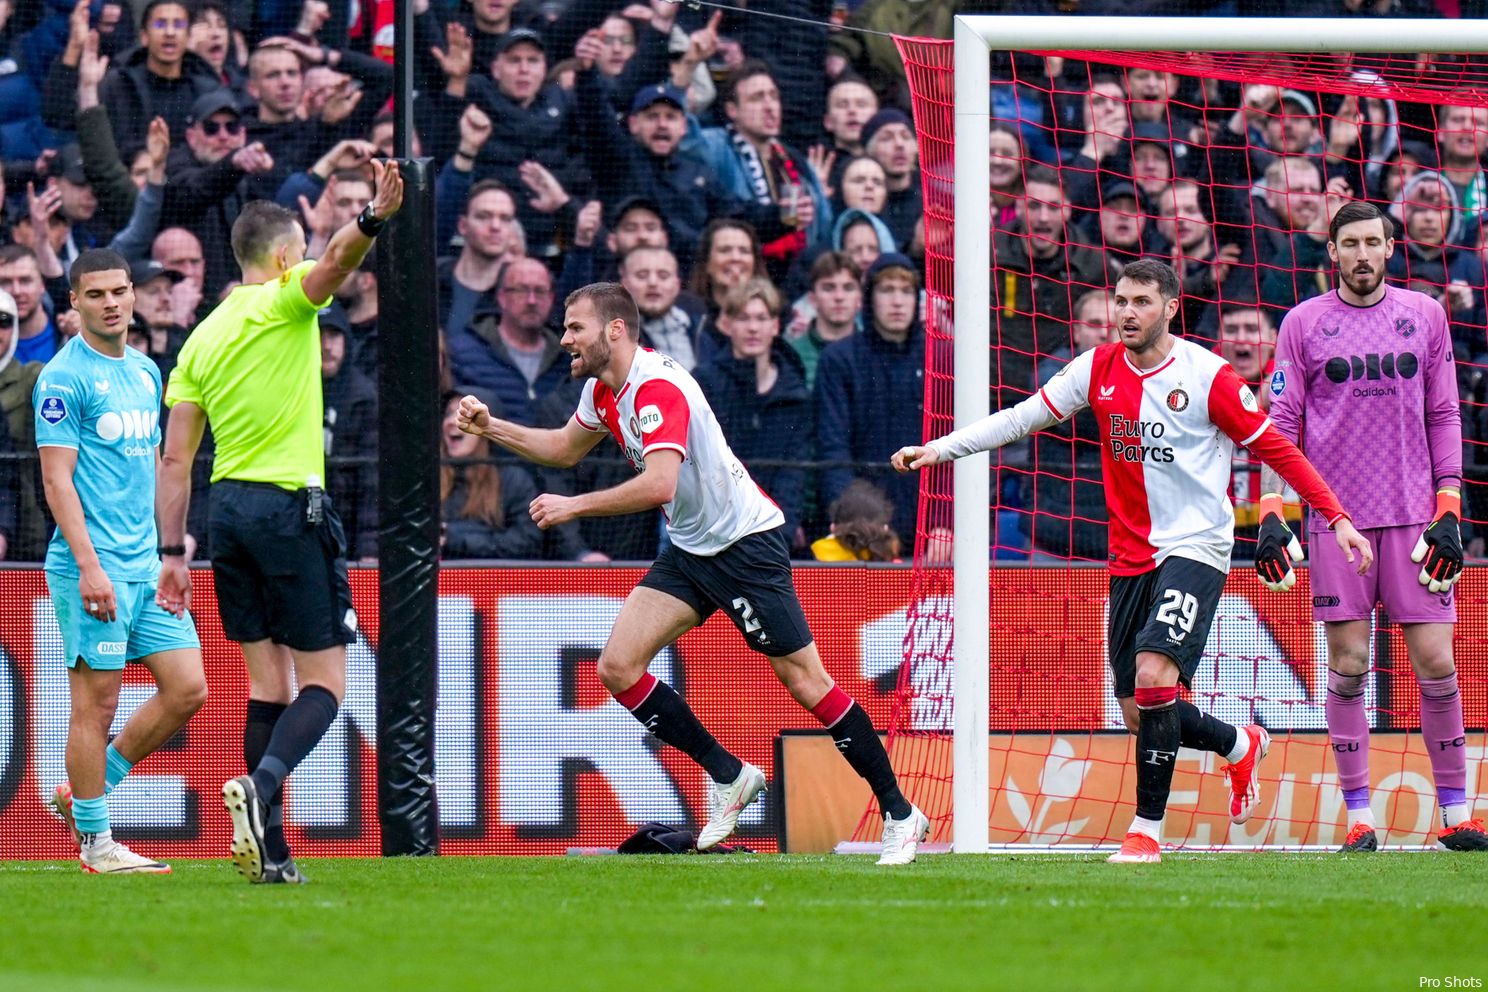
[299, 729]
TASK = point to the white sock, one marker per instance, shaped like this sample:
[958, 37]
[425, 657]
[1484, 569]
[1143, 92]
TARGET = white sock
[1362, 815]
[1152, 828]
[1453, 814]
[97, 843]
[1242, 746]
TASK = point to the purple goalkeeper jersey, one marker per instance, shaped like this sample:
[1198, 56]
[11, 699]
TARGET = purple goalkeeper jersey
[1370, 395]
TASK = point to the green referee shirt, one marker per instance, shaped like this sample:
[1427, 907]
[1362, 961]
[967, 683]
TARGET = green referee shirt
[253, 365]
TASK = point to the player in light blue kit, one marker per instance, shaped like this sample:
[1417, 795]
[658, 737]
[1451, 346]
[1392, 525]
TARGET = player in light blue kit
[97, 409]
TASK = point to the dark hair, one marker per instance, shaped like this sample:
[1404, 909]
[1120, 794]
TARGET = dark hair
[482, 481]
[850, 77]
[96, 260]
[152, 4]
[829, 264]
[1037, 172]
[487, 186]
[1151, 272]
[354, 176]
[611, 301]
[259, 225]
[1357, 210]
[201, 8]
[13, 253]
[860, 522]
[1098, 78]
[747, 70]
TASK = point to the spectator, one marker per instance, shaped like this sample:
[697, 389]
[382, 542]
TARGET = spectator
[870, 390]
[1069, 519]
[466, 281]
[155, 309]
[78, 205]
[205, 188]
[862, 237]
[161, 78]
[670, 319]
[757, 389]
[20, 277]
[112, 179]
[483, 24]
[330, 193]
[646, 163]
[836, 297]
[754, 166]
[635, 222]
[1037, 268]
[358, 297]
[1462, 140]
[729, 256]
[210, 37]
[17, 383]
[350, 400]
[851, 102]
[484, 507]
[1150, 100]
[532, 135]
[515, 355]
[889, 137]
[1433, 261]
[860, 527]
[276, 82]
[1121, 224]
[1104, 118]
[1410, 158]
[864, 186]
[1005, 161]
[1291, 230]
[870, 51]
[1152, 166]
[1202, 264]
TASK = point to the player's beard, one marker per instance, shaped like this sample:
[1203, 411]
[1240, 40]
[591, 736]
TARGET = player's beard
[1146, 338]
[1365, 288]
[591, 361]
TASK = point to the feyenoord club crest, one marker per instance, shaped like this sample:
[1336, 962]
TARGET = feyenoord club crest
[1177, 401]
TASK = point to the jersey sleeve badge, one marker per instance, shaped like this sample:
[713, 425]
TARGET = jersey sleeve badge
[54, 410]
[1278, 382]
[1248, 400]
[651, 418]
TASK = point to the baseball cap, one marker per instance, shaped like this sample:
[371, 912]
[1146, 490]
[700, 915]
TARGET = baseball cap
[70, 164]
[144, 270]
[630, 203]
[334, 317]
[211, 103]
[1153, 132]
[1117, 189]
[1309, 107]
[659, 93]
[517, 36]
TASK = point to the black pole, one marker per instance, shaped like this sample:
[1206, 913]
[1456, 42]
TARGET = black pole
[402, 78]
[408, 502]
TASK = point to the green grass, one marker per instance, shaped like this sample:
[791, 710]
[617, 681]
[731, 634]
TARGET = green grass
[1225, 922]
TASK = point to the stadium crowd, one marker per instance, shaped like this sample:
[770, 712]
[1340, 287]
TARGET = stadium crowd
[753, 181]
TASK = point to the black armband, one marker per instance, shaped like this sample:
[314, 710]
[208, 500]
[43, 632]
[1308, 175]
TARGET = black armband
[172, 550]
[368, 223]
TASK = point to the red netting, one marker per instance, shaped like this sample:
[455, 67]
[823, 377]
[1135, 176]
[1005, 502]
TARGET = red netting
[1228, 165]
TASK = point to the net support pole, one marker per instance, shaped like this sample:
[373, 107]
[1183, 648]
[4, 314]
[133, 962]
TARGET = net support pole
[408, 544]
[971, 479]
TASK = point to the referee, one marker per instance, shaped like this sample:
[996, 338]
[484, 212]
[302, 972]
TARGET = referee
[252, 370]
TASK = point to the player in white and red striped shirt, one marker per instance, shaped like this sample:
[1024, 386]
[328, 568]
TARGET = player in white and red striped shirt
[1170, 414]
[728, 551]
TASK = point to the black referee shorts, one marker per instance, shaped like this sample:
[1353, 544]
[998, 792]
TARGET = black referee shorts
[278, 578]
[1167, 611]
[750, 580]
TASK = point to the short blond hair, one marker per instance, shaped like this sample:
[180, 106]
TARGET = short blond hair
[753, 289]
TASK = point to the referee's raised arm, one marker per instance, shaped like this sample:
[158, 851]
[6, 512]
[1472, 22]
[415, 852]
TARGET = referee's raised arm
[350, 245]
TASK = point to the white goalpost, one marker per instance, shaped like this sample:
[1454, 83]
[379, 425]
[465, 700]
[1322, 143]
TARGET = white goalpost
[975, 37]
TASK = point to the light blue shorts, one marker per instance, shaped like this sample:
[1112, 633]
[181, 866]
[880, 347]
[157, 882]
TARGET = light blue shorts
[140, 627]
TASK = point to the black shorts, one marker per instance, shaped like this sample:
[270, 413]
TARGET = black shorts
[278, 578]
[1168, 611]
[750, 580]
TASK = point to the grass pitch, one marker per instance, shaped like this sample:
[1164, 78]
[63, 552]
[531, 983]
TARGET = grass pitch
[1195, 923]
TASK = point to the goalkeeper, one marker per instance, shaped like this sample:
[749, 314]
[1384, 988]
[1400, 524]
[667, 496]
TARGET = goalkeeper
[1364, 382]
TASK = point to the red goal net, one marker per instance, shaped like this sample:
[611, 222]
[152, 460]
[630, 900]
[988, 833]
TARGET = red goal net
[1226, 165]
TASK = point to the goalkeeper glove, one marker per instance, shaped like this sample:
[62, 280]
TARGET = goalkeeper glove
[1276, 547]
[1440, 544]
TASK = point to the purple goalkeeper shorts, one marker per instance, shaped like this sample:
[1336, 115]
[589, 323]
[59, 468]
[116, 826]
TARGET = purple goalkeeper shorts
[1393, 580]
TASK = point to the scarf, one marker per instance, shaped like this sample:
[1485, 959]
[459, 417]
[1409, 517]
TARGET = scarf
[764, 179]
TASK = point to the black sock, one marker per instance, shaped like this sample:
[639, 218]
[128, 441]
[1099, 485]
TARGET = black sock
[301, 727]
[1158, 737]
[671, 721]
[1203, 732]
[858, 741]
[257, 729]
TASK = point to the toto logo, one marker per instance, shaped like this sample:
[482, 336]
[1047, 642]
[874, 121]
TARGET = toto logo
[1387, 366]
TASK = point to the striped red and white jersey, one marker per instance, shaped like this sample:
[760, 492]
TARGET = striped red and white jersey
[661, 406]
[1168, 438]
